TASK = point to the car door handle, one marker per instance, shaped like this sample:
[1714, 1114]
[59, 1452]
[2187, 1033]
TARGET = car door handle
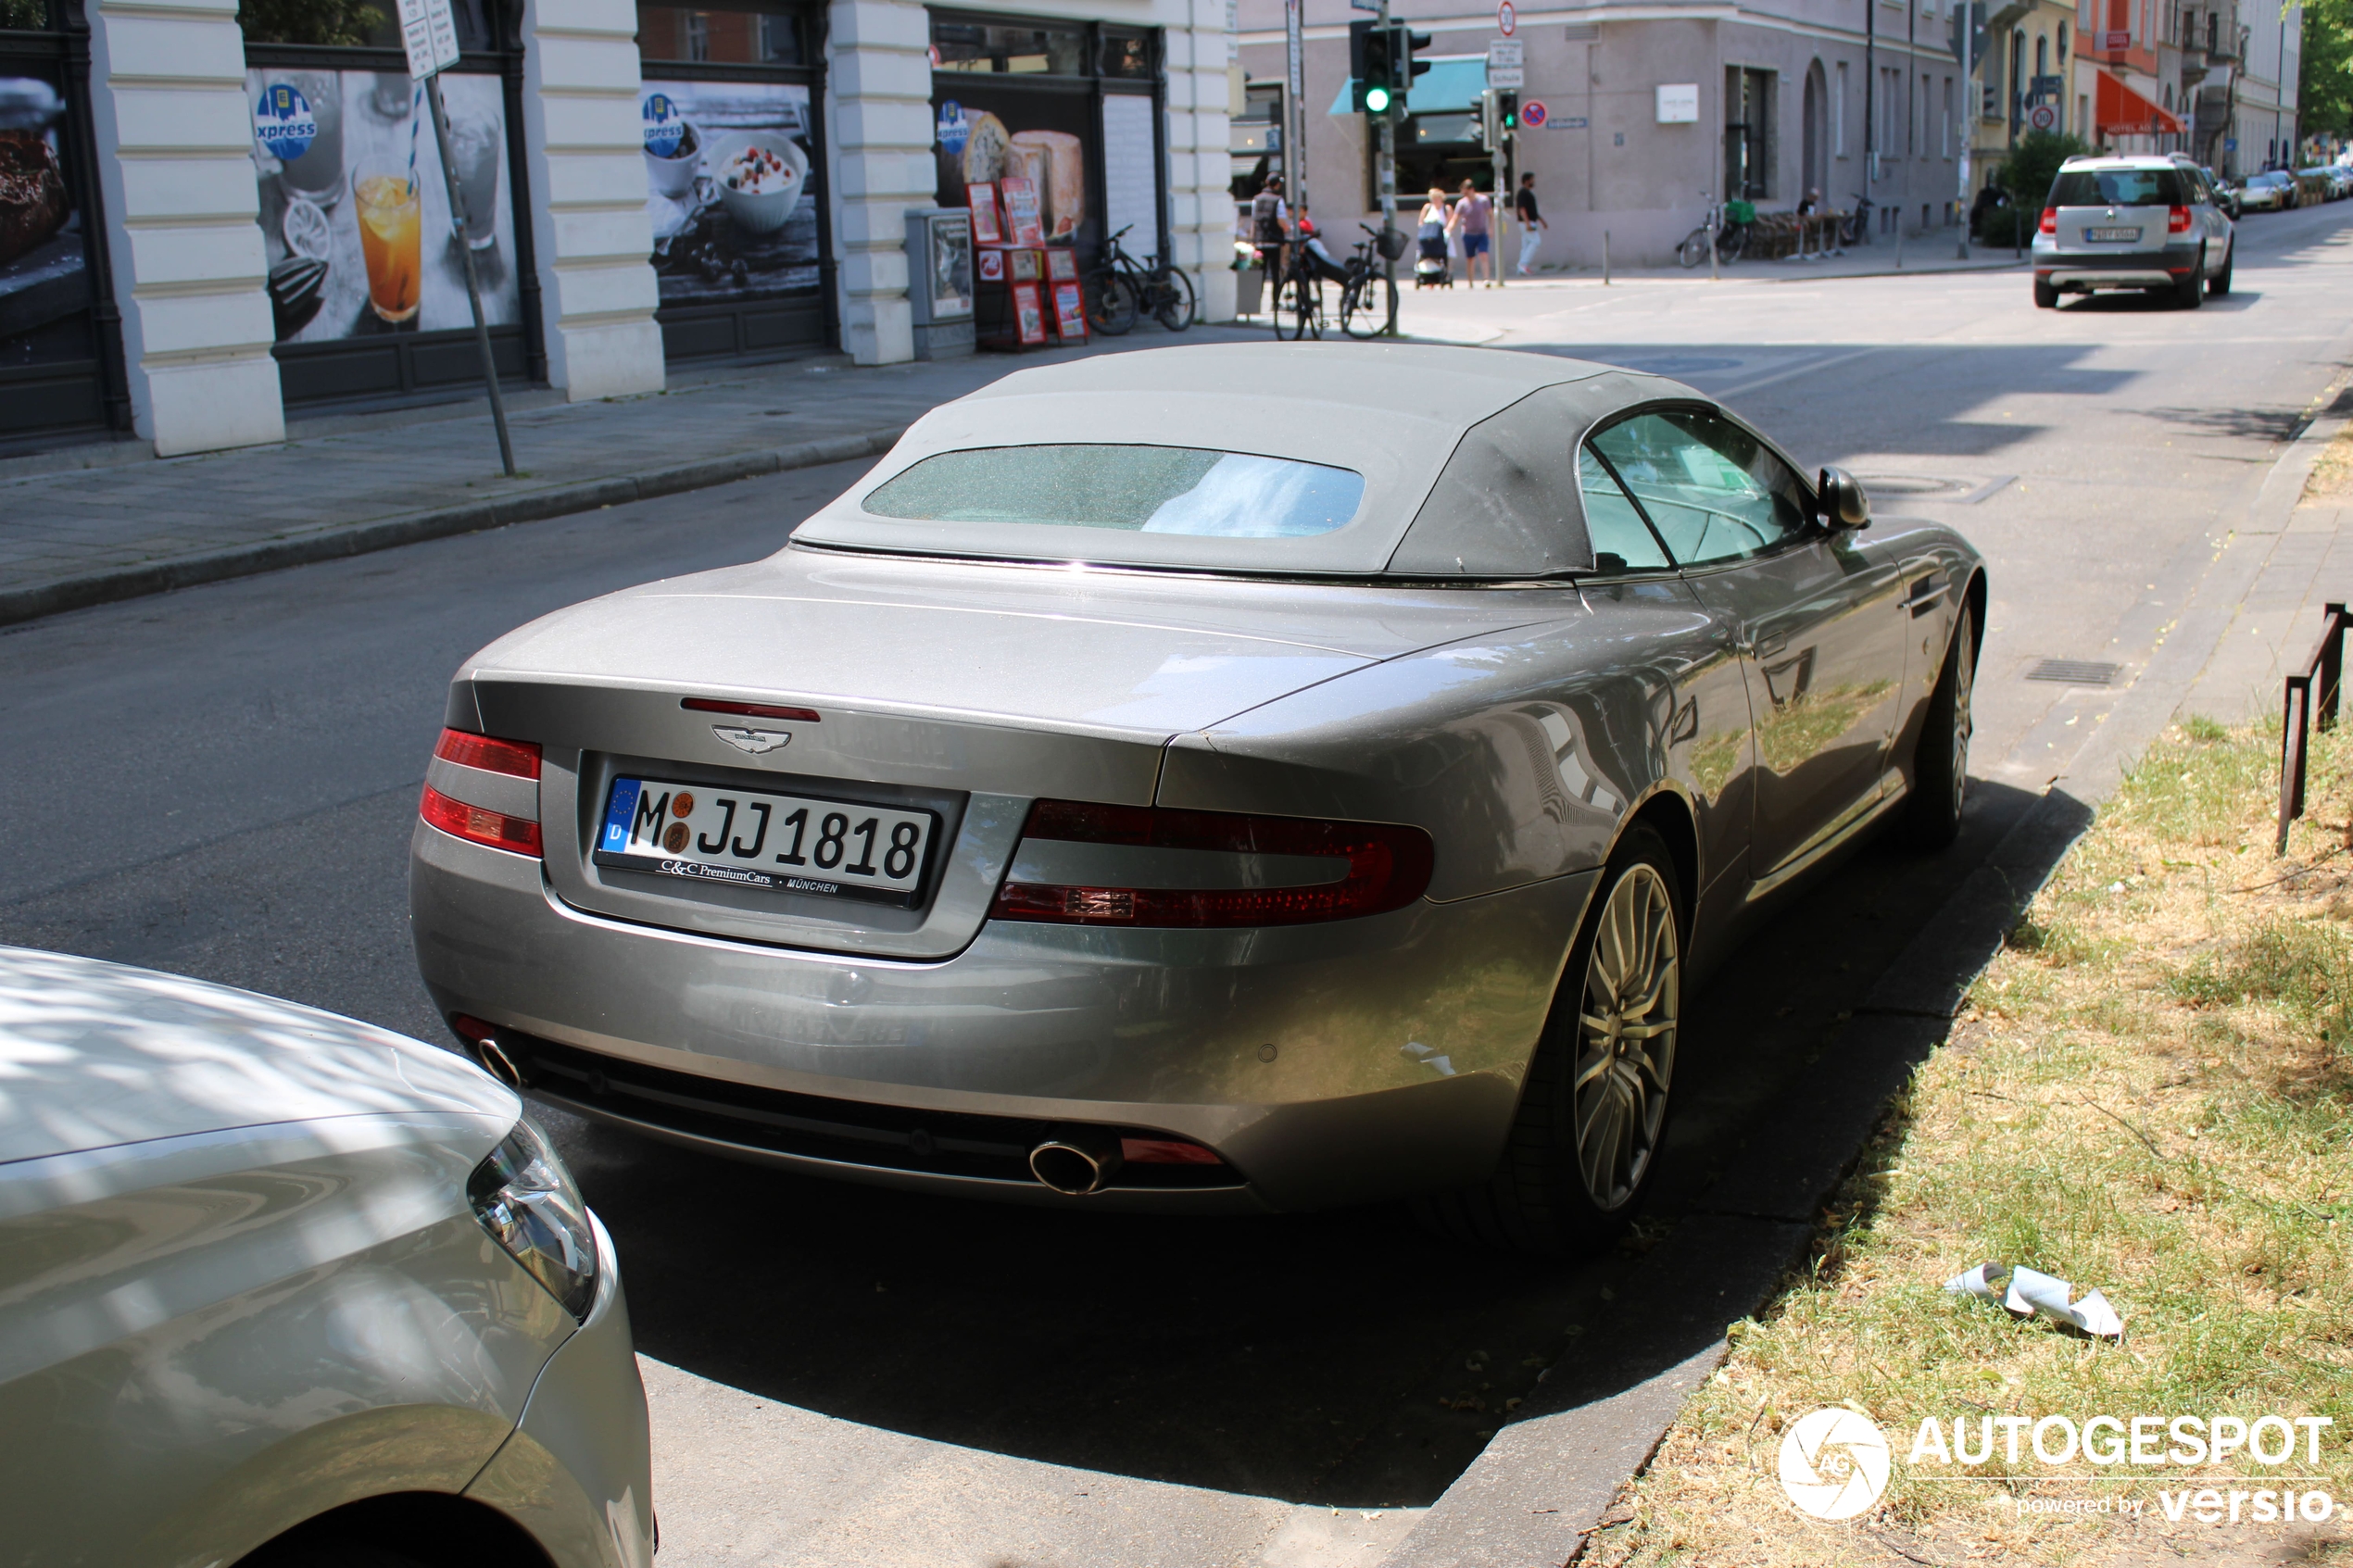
[1766, 646]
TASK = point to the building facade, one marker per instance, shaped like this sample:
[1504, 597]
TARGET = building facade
[219, 219]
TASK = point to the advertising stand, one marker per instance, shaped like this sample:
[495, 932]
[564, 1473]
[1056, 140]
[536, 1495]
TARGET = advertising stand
[939, 256]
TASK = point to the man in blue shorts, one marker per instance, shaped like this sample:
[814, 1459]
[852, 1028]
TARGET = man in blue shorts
[1474, 218]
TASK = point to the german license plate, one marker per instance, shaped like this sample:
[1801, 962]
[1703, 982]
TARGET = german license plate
[2123, 235]
[781, 843]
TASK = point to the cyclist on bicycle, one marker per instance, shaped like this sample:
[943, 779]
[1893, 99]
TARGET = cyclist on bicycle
[1270, 226]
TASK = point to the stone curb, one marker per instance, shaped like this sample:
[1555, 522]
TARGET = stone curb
[143, 578]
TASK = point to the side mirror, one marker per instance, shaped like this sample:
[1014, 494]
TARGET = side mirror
[1843, 503]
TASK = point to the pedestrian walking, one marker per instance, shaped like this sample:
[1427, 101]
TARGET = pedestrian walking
[1437, 228]
[1474, 219]
[1531, 223]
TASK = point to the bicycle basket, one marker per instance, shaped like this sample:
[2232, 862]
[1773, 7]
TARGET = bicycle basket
[1390, 244]
[1741, 213]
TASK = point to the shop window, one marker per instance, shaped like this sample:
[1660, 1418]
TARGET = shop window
[25, 16]
[1127, 55]
[709, 35]
[361, 24]
[1434, 149]
[987, 49]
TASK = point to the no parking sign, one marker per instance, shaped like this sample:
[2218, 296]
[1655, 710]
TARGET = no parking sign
[1533, 114]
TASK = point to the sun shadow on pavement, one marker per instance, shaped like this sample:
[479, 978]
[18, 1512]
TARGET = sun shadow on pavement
[1347, 1359]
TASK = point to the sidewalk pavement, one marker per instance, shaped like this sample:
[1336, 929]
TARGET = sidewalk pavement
[341, 486]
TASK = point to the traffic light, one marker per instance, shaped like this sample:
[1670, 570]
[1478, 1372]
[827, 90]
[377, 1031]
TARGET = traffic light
[1404, 67]
[1370, 72]
[1508, 111]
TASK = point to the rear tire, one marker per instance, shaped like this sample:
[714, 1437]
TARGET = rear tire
[1594, 1111]
[2191, 291]
[1694, 250]
[1174, 307]
[1940, 762]
[1298, 311]
[2045, 295]
[1364, 307]
[2220, 284]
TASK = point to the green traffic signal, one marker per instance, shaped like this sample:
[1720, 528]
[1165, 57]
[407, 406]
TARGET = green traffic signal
[1376, 100]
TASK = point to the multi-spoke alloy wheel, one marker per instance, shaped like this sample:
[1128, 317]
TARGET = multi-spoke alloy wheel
[1940, 766]
[1625, 1037]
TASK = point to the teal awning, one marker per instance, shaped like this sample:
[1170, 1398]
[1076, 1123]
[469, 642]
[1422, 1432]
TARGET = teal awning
[1448, 87]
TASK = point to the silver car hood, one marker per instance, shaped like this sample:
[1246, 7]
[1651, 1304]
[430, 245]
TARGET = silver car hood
[95, 1055]
[1111, 653]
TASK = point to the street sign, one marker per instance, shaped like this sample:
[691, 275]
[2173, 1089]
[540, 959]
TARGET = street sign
[1678, 103]
[1509, 76]
[1533, 114]
[2120, 38]
[1572, 122]
[430, 34]
[1506, 19]
[1508, 54]
[2043, 117]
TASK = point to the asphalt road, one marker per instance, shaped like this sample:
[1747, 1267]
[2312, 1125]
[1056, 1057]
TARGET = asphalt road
[221, 782]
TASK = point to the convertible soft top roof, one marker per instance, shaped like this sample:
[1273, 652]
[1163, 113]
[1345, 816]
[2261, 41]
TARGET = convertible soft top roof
[1466, 454]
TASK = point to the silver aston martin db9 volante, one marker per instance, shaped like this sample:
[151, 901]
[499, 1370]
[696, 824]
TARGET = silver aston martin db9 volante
[1227, 778]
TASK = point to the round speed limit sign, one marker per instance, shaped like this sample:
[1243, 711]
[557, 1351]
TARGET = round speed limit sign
[2043, 117]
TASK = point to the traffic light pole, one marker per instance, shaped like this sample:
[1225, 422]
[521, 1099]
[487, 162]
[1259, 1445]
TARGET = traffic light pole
[1385, 165]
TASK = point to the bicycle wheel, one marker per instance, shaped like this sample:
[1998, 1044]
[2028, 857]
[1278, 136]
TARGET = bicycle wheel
[1172, 299]
[1694, 250]
[1734, 243]
[1110, 303]
[1296, 309]
[1364, 306]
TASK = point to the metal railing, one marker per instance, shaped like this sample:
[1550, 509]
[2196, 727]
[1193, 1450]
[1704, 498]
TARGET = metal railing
[2297, 714]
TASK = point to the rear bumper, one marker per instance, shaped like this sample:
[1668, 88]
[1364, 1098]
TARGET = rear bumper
[2068, 268]
[1326, 1065]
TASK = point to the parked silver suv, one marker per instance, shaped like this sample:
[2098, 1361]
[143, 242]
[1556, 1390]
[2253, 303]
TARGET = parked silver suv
[2153, 223]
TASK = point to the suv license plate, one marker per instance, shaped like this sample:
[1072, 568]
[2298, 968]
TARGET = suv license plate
[2125, 235]
[782, 843]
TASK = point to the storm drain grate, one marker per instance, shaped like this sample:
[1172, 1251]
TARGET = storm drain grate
[2075, 672]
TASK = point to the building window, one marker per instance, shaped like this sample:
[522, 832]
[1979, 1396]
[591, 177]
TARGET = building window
[1944, 135]
[1750, 111]
[1838, 113]
[986, 49]
[719, 36]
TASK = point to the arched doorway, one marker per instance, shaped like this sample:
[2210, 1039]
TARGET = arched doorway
[1816, 131]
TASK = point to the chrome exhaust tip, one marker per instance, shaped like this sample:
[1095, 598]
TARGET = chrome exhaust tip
[1077, 1165]
[497, 1063]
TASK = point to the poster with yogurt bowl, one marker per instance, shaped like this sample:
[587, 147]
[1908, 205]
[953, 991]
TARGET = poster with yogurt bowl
[727, 182]
[358, 236]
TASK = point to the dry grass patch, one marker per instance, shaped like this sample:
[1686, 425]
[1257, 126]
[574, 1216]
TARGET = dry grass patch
[2333, 473]
[2147, 1094]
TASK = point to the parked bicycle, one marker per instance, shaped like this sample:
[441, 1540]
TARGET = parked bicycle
[1856, 229]
[1123, 288]
[1726, 228]
[1366, 303]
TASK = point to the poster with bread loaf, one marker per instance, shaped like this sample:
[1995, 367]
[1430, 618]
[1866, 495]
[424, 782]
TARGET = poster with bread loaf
[977, 146]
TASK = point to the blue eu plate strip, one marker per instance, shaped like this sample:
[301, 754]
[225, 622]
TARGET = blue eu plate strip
[619, 814]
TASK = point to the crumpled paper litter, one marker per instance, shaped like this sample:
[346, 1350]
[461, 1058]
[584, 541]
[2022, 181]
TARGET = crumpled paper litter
[2029, 1292]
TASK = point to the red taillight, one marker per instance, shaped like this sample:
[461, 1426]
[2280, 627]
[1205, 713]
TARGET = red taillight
[2177, 221]
[519, 758]
[1388, 868]
[2050, 220]
[749, 709]
[479, 824]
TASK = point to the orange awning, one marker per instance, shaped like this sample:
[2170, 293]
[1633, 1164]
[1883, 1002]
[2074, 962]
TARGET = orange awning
[2118, 111]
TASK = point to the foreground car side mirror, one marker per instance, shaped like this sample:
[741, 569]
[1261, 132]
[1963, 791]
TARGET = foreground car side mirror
[1843, 503]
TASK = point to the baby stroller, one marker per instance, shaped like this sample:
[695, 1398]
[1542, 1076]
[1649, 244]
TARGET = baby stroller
[1431, 270]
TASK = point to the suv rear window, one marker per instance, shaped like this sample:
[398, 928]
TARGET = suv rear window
[1141, 489]
[2118, 187]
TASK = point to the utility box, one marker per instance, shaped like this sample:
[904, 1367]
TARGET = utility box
[941, 281]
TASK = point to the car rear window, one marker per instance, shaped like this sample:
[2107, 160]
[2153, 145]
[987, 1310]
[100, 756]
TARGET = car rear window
[1139, 489]
[2118, 187]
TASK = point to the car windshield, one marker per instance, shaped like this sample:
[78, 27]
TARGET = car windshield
[1139, 489]
[2118, 187]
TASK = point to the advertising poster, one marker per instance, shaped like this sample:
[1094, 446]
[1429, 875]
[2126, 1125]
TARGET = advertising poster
[43, 286]
[728, 174]
[355, 211]
[1013, 139]
[952, 268]
[1029, 313]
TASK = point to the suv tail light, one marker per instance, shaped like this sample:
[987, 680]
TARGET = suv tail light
[2177, 221]
[2050, 220]
[1389, 867]
[479, 824]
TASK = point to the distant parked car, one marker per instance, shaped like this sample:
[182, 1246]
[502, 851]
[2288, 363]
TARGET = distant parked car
[2226, 196]
[2142, 222]
[2271, 191]
[2314, 186]
[287, 1291]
